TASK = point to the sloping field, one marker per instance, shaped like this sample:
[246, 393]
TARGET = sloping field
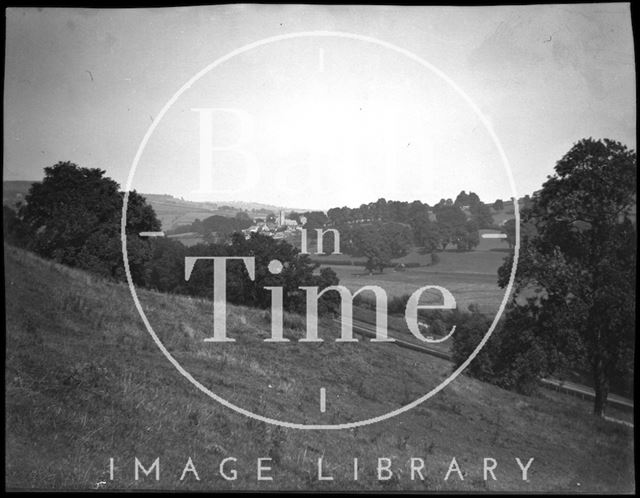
[85, 383]
[466, 288]
[470, 276]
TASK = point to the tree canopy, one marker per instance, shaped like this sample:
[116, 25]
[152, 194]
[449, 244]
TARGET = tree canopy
[73, 216]
[576, 274]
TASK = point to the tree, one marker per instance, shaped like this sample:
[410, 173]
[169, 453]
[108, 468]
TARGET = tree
[580, 265]
[526, 201]
[380, 210]
[481, 214]
[470, 329]
[368, 242]
[509, 228]
[293, 216]
[397, 237]
[426, 233]
[243, 216]
[466, 237]
[462, 199]
[73, 216]
[315, 219]
[166, 267]
[527, 227]
[452, 224]
[379, 243]
[513, 358]
[498, 205]
[339, 216]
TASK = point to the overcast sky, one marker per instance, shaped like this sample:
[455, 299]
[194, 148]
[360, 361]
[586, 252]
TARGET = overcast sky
[317, 121]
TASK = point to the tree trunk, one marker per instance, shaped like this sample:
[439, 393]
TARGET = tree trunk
[601, 388]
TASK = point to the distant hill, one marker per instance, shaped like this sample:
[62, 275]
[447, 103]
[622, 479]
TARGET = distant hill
[234, 206]
[15, 190]
[221, 225]
[171, 211]
[174, 212]
[222, 205]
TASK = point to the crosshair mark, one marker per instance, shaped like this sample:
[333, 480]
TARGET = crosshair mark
[494, 235]
[323, 400]
[151, 234]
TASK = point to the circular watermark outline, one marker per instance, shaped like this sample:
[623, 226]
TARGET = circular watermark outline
[311, 34]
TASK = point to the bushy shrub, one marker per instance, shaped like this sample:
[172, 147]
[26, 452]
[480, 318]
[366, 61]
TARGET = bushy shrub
[398, 304]
[513, 358]
[470, 329]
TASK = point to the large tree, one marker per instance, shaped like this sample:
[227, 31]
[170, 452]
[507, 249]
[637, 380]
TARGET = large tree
[426, 232]
[379, 243]
[315, 219]
[481, 214]
[367, 241]
[73, 216]
[581, 263]
[452, 223]
[509, 229]
[467, 237]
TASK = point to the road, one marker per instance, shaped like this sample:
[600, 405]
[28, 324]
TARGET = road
[407, 341]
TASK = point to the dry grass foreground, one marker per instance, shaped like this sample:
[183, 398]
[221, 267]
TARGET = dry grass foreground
[85, 383]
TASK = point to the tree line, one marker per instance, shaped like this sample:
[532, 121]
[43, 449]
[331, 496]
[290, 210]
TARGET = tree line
[384, 230]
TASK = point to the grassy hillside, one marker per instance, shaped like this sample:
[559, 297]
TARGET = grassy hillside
[173, 212]
[85, 382]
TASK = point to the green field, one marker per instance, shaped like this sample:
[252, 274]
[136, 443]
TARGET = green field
[466, 288]
[188, 239]
[173, 213]
[470, 276]
[85, 382]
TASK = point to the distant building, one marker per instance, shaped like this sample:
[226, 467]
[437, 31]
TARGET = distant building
[291, 224]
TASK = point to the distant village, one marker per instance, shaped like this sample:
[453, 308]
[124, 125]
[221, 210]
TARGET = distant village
[277, 229]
